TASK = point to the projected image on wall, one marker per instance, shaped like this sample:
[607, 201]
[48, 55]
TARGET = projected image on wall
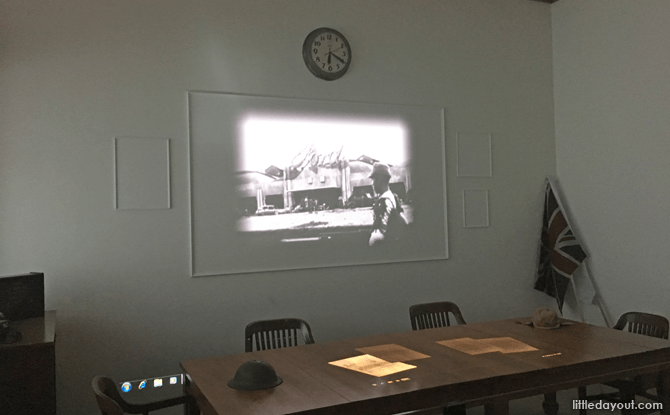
[308, 180]
[280, 184]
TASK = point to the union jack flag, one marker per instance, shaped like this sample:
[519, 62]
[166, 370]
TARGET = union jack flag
[560, 252]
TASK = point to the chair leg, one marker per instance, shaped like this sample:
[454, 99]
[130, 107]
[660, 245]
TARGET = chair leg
[454, 410]
[626, 396]
[581, 395]
[550, 405]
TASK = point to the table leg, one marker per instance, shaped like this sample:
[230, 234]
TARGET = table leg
[550, 405]
[496, 408]
[582, 399]
[663, 391]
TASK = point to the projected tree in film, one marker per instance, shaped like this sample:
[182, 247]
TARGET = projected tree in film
[309, 180]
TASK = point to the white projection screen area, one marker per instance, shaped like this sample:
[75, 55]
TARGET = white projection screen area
[280, 184]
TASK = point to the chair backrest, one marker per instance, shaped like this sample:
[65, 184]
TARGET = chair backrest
[433, 315]
[644, 323]
[274, 334]
[107, 396]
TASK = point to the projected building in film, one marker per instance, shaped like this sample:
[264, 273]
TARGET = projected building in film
[284, 184]
[305, 180]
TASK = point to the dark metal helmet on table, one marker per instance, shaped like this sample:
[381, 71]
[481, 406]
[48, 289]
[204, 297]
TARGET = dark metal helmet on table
[255, 375]
[380, 170]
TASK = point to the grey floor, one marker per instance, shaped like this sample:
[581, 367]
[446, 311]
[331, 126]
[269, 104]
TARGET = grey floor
[533, 405]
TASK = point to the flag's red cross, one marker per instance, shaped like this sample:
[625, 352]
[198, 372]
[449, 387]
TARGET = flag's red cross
[560, 252]
[563, 245]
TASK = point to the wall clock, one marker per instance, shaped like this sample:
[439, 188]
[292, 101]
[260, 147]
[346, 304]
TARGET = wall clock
[327, 53]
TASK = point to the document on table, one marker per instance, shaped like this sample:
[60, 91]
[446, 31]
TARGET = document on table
[371, 365]
[479, 346]
[470, 346]
[509, 345]
[392, 353]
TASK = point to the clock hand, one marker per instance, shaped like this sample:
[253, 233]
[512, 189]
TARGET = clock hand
[338, 58]
[329, 54]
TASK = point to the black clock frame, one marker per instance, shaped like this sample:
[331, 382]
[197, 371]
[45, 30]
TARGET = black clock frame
[313, 66]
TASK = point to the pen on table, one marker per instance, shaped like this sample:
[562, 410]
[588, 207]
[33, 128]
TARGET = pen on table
[553, 354]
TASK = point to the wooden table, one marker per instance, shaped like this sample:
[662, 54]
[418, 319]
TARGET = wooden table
[581, 354]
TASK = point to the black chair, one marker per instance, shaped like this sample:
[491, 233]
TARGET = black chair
[274, 334]
[648, 325]
[110, 401]
[433, 315]
[430, 316]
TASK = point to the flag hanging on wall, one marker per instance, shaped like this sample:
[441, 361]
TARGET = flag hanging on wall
[560, 252]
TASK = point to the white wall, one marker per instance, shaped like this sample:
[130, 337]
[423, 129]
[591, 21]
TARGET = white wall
[75, 74]
[612, 90]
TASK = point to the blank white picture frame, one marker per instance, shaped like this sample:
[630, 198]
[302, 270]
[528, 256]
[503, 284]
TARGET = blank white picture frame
[141, 173]
[474, 155]
[475, 208]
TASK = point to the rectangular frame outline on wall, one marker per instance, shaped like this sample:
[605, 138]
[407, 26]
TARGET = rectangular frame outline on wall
[444, 178]
[168, 179]
[483, 220]
[485, 161]
[198, 98]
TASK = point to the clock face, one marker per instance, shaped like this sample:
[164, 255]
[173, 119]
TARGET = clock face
[327, 53]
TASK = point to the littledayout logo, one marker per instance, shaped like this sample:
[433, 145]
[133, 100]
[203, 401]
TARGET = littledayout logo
[613, 406]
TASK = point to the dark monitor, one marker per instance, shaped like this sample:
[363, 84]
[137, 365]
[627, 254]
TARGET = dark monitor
[22, 296]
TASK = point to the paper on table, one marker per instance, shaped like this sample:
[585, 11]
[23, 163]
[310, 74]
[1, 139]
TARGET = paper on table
[392, 353]
[509, 345]
[371, 365]
[470, 346]
[498, 344]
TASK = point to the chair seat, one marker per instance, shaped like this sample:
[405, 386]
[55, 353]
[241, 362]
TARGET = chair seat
[110, 401]
[637, 383]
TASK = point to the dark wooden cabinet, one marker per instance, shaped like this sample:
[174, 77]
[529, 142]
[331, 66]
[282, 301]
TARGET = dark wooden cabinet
[28, 368]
